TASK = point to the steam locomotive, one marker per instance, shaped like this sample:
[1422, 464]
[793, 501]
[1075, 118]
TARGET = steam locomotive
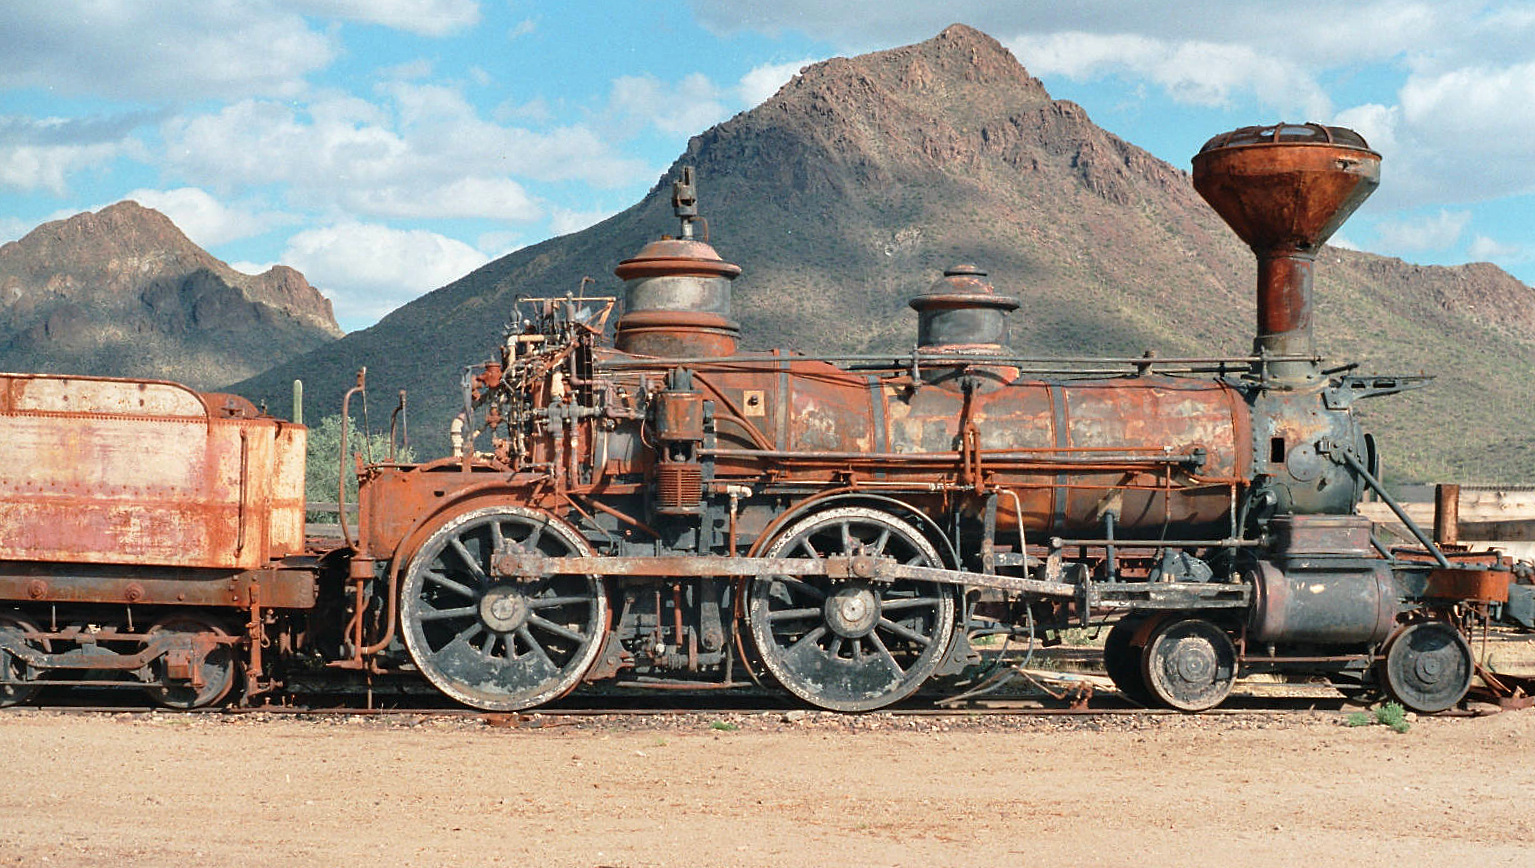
[664, 510]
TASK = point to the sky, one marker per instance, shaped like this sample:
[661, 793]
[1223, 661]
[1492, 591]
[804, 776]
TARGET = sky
[387, 147]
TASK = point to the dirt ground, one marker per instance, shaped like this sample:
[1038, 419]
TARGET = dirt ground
[771, 788]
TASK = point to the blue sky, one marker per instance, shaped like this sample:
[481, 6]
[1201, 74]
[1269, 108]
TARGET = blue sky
[386, 147]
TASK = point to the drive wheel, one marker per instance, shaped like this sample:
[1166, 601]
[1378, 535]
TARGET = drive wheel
[501, 644]
[192, 653]
[851, 645]
[13, 630]
[1122, 661]
[1428, 667]
[1189, 664]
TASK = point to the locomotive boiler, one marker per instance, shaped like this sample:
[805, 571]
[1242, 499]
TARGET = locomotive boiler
[656, 508]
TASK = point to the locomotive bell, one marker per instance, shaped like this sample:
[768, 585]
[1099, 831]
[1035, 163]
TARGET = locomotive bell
[962, 313]
[1285, 189]
[677, 292]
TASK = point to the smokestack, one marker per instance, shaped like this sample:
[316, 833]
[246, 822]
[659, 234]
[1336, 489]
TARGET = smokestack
[1285, 189]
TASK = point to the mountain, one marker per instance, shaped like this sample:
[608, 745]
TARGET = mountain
[122, 292]
[853, 187]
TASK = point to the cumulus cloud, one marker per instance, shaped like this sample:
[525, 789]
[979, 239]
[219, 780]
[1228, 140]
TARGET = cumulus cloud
[676, 108]
[1438, 231]
[423, 17]
[1486, 249]
[170, 49]
[367, 269]
[206, 220]
[564, 221]
[764, 81]
[1193, 72]
[41, 153]
[423, 152]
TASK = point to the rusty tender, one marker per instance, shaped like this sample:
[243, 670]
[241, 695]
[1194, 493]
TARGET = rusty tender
[667, 511]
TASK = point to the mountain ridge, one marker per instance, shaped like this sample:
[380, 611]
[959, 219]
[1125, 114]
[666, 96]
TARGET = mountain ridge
[123, 292]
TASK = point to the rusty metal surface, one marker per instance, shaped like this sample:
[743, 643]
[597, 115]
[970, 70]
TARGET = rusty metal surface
[140, 472]
[1466, 583]
[1284, 190]
[165, 586]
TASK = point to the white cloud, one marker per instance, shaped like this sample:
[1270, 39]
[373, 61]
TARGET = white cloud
[762, 82]
[1486, 249]
[367, 269]
[169, 49]
[1192, 72]
[522, 28]
[33, 167]
[681, 108]
[423, 17]
[563, 221]
[422, 152]
[206, 220]
[1377, 123]
[1434, 232]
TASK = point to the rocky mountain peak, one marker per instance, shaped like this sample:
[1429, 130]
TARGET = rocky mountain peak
[123, 292]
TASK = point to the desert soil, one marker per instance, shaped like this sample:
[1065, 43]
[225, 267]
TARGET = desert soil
[771, 788]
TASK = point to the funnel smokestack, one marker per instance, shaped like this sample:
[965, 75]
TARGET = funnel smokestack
[1285, 189]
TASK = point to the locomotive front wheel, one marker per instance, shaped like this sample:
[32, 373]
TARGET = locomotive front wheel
[498, 643]
[12, 632]
[851, 645]
[191, 649]
[1122, 661]
[1428, 667]
[1189, 664]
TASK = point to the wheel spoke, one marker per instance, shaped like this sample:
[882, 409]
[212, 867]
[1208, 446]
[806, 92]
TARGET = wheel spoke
[904, 632]
[552, 602]
[835, 647]
[531, 543]
[428, 614]
[809, 549]
[560, 630]
[885, 655]
[534, 647]
[794, 614]
[808, 639]
[879, 544]
[902, 603]
[802, 586]
[437, 578]
[470, 561]
[847, 537]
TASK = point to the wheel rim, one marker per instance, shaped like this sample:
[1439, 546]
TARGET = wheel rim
[496, 643]
[1428, 667]
[1189, 665]
[1122, 661]
[12, 630]
[851, 645]
[218, 669]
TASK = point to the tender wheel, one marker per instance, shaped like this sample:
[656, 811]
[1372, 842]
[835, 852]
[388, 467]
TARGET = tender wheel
[1122, 661]
[495, 643]
[851, 645]
[192, 653]
[12, 632]
[1189, 664]
[1428, 667]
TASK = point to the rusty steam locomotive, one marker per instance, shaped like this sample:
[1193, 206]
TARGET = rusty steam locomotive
[666, 510]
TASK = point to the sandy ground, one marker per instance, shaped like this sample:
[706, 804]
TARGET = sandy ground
[770, 788]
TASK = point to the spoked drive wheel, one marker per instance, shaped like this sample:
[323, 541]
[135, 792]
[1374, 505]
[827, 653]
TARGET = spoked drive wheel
[13, 629]
[196, 670]
[851, 645]
[1189, 664]
[1428, 667]
[499, 643]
